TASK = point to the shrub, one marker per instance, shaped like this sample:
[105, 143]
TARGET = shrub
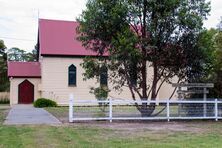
[43, 102]
[4, 98]
[4, 101]
[101, 94]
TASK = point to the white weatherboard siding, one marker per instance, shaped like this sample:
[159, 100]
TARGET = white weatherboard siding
[14, 83]
[55, 82]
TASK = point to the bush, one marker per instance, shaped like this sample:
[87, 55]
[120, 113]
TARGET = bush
[42, 102]
[4, 101]
[4, 98]
[101, 94]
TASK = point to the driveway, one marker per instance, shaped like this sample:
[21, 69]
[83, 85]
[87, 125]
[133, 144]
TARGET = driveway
[27, 114]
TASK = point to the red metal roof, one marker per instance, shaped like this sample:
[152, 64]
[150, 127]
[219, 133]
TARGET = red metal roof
[24, 69]
[59, 38]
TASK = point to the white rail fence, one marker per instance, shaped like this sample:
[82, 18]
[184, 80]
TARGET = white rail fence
[126, 110]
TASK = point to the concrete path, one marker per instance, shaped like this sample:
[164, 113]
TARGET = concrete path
[27, 114]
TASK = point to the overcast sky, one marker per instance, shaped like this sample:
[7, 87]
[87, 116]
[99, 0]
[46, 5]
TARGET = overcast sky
[19, 18]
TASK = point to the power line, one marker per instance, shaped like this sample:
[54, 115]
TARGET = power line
[16, 39]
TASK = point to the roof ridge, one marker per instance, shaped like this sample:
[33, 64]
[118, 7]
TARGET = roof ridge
[24, 61]
[44, 19]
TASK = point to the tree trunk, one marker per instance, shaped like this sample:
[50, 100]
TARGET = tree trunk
[147, 110]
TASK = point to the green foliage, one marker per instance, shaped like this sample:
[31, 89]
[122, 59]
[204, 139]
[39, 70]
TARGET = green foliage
[4, 82]
[16, 54]
[101, 94]
[215, 75]
[2, 47]
[42, 102]
[140, 34]
[4, 101]
[91, 66]
[159, 37]
[210, 43]
[206, 45]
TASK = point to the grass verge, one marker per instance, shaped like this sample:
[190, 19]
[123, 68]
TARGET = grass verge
[204, 134]
[3, 112]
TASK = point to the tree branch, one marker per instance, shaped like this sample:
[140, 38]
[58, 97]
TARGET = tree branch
[160, 86]
[156, 114]
[134, 98]
[137, 91]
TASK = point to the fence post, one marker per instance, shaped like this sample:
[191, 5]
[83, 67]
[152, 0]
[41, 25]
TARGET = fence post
[168, 110]
[179, 98]
[205, 104]
[110, 110]
[216, 110]
[71, 99]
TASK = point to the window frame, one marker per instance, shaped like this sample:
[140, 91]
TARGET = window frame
[74, 84]
[103, 75]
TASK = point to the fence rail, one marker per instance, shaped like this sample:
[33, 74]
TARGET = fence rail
[80, 110]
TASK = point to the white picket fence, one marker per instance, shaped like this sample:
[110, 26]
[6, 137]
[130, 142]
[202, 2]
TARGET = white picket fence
[81, 110]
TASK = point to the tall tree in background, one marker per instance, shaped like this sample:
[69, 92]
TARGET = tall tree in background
[219, 26]
[16, 54]
[4, 82]
[142, 35]
[215, 75]
[206, 42]
[2, 47]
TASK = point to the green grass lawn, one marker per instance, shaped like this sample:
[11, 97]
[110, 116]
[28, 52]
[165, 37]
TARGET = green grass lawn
[193, 134]
[3, 112]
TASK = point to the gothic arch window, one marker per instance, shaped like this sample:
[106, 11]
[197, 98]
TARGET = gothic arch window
[104, 76]
[72, 75]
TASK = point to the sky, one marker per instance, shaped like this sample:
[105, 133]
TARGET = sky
[19, 18]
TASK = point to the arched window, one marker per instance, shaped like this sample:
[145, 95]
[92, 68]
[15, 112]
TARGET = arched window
[72, 75]
[103, 76]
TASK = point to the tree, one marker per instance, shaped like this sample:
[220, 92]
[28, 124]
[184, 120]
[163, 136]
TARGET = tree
[210, 41]
[219, 26]
[2, 47]
[16, 54]
[32, 56]
[139, 34]
[206, 42]
[4, 82]
[215, 74]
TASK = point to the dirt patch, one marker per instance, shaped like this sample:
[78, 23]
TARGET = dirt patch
[155, 130]
[161, 126]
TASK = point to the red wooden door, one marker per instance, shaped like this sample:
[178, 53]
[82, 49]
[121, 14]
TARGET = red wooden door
[26, 92]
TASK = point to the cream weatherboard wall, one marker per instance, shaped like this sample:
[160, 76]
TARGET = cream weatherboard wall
[54, 72]
[14, 83]
[55, 80]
